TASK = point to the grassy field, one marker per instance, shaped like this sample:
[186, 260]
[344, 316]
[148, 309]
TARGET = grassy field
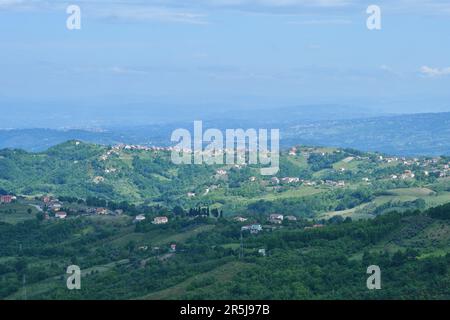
[403, 195]
[14, 213]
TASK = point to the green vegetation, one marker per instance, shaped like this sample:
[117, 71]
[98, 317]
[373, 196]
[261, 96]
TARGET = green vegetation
[348, 210]
[314, 181]
[125, 261]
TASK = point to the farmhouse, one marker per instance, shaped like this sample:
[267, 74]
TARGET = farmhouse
[160, 220]
[408, 174]
[61, 215]
[101, 211]
[255, 228]
[290, 180]
[240, 219]
[276, 218]
[6, 199]
[139, 218]
[221, 172]
[56, 206]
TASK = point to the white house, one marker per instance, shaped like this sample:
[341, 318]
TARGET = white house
[139, 218]
[276, 218]
[61, 215]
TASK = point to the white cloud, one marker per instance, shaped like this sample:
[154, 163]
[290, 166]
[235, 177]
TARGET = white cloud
[322, 22]
[145, 13]
[194, 11]
[435, 72]
[127, 71]
[9, 4]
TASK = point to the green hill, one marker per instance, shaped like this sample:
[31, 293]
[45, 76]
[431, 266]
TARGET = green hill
[310, 182]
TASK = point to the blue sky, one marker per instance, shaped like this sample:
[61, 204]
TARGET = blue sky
[226, 52]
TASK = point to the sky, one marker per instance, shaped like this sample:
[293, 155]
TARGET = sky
[225, 53]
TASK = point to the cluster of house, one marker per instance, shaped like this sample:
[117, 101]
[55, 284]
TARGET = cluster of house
[177, 149]
[287, 180]
[253, 228]
[55, 205]
[404, 161]
[52, 204]
[256, 228]
[408, 174]
[7, 198]
[433, 165]
[156, 220]
[276, 218]
[309, 183]
[115, 149]
[331, 183]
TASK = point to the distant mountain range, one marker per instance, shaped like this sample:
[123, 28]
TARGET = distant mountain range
[410, 134]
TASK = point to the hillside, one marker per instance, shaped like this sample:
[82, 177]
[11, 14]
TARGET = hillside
[122, 260]
[141, 227]
[311, 181]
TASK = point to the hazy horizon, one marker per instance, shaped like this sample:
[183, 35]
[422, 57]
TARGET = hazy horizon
[220, 56]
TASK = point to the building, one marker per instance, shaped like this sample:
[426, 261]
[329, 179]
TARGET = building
[139, 218]
[160, 220]
[291, 218]
[221, 172]
[61, 215]
[290, 180]
[6, 199]
[408, 174]
[276, 218]
[275, 180]
[240, 219]
[101, 211]
[173, 248]
[255, 228]
[56, 206]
